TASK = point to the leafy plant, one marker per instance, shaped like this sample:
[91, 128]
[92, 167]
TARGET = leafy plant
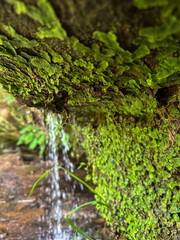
[33, 136]
[16, 125]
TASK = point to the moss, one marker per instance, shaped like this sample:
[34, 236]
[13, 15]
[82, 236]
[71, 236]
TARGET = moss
[84, 64]
[17, 40]
[144, 4]
[111, 71]
[159, 33]
[44, 14]
[135, 169]
[110, 41]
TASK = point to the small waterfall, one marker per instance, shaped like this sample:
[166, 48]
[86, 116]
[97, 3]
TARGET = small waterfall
[56, 134]
[56, 197]
[55, 214]
[59, 200]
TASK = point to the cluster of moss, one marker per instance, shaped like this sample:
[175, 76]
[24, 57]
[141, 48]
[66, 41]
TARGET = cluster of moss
[31, 76]
[38, 69]
[136, 170]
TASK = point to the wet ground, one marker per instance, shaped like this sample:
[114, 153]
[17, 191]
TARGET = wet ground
[42, 217]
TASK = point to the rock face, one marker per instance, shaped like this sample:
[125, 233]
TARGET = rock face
[114, 65]
[116, 53]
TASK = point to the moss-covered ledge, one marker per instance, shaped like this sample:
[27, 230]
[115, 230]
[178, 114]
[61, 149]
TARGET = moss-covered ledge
[47, 66]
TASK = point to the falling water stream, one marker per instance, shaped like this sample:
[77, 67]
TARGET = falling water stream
[43, 216]
[55, 213]
[59, 197]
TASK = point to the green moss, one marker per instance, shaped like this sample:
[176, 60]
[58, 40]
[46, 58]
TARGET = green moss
[113, 47]
[84, 64]
[57, 58]
[135, 170]
[159, 33]
[45, 15]
[141, 51]
[144, 4]
[109, 66]
[17, 41]
[169, 66]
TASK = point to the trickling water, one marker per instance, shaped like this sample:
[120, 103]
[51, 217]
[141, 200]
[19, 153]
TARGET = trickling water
[55, 213]
[68, 164]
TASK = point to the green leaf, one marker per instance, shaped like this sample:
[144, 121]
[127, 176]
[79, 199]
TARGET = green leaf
[75, 210]
[65, 139]
[81, 164]
[28, 138]
[75, 235]
[9, 99]
[72, 175]
[176, 217]
[166, 174]
[174, 209]
[21, 140]
[26, 129]
[41, 139]
[42, 148]
[33, 144]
